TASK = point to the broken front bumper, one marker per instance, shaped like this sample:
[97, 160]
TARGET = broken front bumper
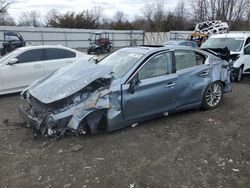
[46, 125]
[31, 122]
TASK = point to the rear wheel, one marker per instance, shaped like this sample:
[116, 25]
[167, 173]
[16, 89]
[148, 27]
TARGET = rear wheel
[212, 96]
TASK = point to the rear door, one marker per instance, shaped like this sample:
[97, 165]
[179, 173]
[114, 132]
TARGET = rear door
[57, 58]
[193, 76]
[28, 69]
[155, 92]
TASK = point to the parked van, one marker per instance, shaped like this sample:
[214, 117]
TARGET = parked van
[239, 46]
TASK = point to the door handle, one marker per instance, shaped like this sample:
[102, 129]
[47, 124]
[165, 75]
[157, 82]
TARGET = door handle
[37, 66]
[170, 85]
[204, 74]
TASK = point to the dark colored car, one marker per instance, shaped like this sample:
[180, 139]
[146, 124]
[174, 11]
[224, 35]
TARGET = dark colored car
[181, 42]
[11, 42]
[129, 86]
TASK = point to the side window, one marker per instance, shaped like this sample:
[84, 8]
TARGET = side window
[247, 50]
[200, 59]
[157, 66]
[55, 53]
[187, 59]
[31, 56]
[248, 41]
[69, 54]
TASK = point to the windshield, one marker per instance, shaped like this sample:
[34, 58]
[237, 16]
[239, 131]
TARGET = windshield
[121, 61]
[9, 55]
[233, 44]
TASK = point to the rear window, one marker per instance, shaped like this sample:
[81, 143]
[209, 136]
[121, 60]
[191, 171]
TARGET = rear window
[188, 59]
[54, 53]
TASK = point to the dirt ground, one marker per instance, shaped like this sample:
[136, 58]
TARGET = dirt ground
[188, 149]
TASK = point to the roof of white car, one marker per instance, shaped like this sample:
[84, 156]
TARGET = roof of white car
[45, 46]
[231, 35]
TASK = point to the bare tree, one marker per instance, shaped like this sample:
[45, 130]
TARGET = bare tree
[159, 14]
[52, 18]
[32, 18]
[120, 17]
[200, 10]
[98, 14]
[4, 4]
[225, 10]
[148, 13]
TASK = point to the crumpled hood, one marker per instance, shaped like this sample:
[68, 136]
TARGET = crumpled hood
[67, 81]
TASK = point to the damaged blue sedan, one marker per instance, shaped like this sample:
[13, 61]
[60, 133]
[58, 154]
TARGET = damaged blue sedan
[129, 86]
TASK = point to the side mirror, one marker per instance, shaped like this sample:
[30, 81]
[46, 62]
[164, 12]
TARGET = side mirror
[13, 61]
[133, 83]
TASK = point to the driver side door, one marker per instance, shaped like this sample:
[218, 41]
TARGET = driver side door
[28, 69]
[154, 92]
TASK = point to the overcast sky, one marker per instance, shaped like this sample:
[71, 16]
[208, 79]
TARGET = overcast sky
[129, 7]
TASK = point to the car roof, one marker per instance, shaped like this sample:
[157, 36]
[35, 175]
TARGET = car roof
[148, 49]
[177, 41]
[231, 35]
[44, 46]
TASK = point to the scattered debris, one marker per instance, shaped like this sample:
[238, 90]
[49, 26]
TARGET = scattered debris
[132, 185]
[39, 178]
[60, 151]
[210, 120]
[99, 159]
[235, 170]
[134, 125]
[45, 144]
[205, 161]
[87, 167]
[67, 185]
[230, 160]
[76, 148]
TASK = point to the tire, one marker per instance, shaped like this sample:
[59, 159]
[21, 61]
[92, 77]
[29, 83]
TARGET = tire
[212, 96]
[88, 52]
[3, 51]
[109, 50]
[238, 77]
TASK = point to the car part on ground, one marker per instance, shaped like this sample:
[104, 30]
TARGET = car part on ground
[11, 42]
[129, 86]
[239, 46]
[99, 42]
[23, 66]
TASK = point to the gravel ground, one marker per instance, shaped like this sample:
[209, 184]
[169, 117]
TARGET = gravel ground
[188, 149]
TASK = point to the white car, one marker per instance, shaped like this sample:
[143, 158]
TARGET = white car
[239, 46]
[25, 65]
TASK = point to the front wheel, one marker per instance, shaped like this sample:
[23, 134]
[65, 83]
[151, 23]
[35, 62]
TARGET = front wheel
[212, 96]
[238, 78]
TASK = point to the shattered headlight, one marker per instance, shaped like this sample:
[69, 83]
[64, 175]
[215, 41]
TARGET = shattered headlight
[80, 97]
[234, 58]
